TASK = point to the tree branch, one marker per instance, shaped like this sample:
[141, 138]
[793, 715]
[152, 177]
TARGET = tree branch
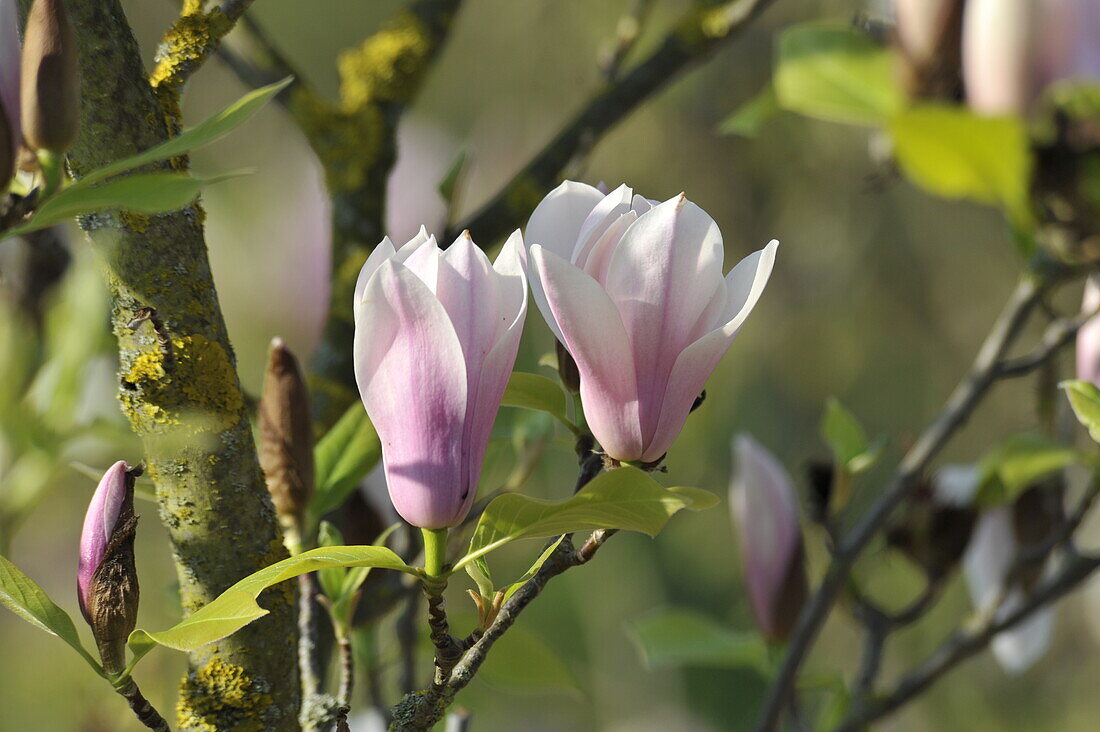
[701, 32]
[962, 402]
[190, 413]
[965, 643]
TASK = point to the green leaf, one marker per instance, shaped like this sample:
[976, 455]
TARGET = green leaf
[449, 183]
[147, 193]
[331, 578]
[953, 153]
[531, 391]
[533, 570]
[1018, 463]
[237, 607]
[748, 119]
[834, 72]
[1084, 397]
[478, 569]
[677, 637]
[211, 129]
[624, 498]
[847, 439]
[20, 594]
[343, 457]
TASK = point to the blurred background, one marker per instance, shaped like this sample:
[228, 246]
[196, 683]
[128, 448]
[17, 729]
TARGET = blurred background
[880, 297]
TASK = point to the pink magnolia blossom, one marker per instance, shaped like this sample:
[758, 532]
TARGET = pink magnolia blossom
[634, 290]
[10, 54]
[436, 335]
[1014, 49]
[919, 23]
[765, 510]
[1088, 337]
[99, 525]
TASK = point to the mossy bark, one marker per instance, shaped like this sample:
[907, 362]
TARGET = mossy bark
[184, 399]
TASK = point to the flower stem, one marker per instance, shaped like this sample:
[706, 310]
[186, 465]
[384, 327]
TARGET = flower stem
[435, 551]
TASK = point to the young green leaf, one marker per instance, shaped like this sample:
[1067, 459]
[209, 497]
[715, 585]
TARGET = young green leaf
[205, 132]
[834, 72]
[1018, 463]
[1084, 397]
[20, 594]
[748, 119]
[331, 578]
[237, 607]
[954, 153]
[846, 438]
[478, 570]
[147, 193]
[531, 391]
[675, 637]
[343, 457]
[624, 498]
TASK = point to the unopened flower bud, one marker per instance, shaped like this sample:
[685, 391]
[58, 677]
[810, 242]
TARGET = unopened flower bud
[820, 474]
[567, 369]
[765, 509]
[50, 78]
[107, 583]
[7, 150]
[286, 435]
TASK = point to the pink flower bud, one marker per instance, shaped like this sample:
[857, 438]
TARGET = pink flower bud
[1088, 337]
[765, 510]
[634, 290]
[50, 82]
[997, 55]
[436, 335]
[106, 579]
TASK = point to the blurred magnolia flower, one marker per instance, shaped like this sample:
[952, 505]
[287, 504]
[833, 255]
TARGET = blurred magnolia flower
[1014, 49]
[50, 78]
[919, 24]
[1088, 337]
[9, 89]
[634, 290]
[436, 336]
[424, 154]
[765, 511]
[107, 586]
[988, 560]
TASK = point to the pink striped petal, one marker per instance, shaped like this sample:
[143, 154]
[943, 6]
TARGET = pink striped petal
[556, 222]
[579, 309]
[412, 378]
[99, 525]
[744, 286]
[661, 277]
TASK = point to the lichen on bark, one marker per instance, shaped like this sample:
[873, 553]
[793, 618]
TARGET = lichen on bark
[188, 408]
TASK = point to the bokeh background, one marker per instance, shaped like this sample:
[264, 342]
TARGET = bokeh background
[880, 297]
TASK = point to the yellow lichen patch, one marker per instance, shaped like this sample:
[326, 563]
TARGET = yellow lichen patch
[198, 389]
[134, 221]
[186, 45]
[387, 65]
[347, 143]
[220, 697]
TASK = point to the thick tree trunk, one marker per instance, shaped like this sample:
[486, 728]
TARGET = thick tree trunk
[185, 401]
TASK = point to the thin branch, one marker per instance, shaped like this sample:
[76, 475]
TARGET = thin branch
[310, 667]
[627, 33]
[962, 402]
[1057, 335]
[695, 37]
[963, 644]
[143, 710]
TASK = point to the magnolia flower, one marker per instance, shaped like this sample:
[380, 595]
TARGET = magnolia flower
[992, 551]
[9, 69]
[765, 510]
[634, 290]
[1014, 49]
[919, 24]
[106, 578]
[50, 78]
[1088, 337]
[436, 335]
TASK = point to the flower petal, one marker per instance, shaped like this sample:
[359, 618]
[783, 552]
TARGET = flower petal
[661, 277]
[99, 525]
[381, 253]
[606, 213]
[556, 222]
[744, 286]
[590, 328]
[1088, 337]
[412, 378]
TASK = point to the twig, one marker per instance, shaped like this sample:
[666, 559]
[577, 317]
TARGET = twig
[141, 707]
[347, 670]
[695, 37]
[627, 32]
[962, 402]
[309, 662]
[1058, 334]
[963, 644]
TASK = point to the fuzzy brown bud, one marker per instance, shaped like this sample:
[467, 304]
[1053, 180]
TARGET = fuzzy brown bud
[50, 85]
[286, 435]
[933, 534]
